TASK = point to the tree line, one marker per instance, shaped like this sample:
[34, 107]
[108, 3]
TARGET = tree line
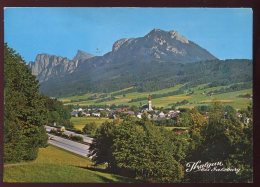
[150, 76]
[141, 149]
[26, 111]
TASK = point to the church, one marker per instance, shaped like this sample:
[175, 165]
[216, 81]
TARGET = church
[150, 103]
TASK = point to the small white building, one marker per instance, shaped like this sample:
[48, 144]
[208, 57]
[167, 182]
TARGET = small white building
[96, 114]
[247, 120]
[173, 113]
[139, 115]
[239, 115]
[80, 110]
[162, 115]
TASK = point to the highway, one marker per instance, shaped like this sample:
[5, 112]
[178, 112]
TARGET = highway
[75, 147]
[85, 137]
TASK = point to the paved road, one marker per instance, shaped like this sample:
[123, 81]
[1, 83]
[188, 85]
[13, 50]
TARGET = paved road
[85, 137]
[75, 147]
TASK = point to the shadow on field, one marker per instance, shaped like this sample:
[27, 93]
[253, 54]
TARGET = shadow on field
[116, 178]
[96, 169]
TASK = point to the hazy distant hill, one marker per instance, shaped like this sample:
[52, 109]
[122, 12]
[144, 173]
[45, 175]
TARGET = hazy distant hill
[158, 60]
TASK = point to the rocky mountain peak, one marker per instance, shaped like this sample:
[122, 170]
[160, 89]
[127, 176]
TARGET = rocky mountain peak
[177, 36]
[155, 33]
[48, 66]
[164, 35]
[155, 30]
[119, 43]
[82, 55]
[158, 45]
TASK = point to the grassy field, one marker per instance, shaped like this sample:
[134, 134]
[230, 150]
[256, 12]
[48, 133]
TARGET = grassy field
[56, 165]
[120, 99]
[80, 122]
[197, 98]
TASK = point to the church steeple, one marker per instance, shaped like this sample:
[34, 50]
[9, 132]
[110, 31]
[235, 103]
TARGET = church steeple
[150, 103]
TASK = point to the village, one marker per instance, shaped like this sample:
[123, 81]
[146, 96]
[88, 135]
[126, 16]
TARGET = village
[138, 112]
[119, 112]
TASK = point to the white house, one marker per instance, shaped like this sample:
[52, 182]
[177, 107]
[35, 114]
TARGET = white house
[80, 110]
[96, 114]
[162, 115]
[87, 114]
[139, 115]
[173, 113]
[247, 120]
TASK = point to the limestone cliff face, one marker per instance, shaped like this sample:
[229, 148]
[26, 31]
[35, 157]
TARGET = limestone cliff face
[47, 66]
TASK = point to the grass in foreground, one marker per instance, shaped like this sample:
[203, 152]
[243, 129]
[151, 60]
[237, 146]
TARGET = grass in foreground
[55, 165]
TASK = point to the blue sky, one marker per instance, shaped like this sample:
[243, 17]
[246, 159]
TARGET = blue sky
[226, 33]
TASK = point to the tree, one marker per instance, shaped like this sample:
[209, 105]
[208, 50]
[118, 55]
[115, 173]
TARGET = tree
[139, 149]
[58, 113]
[184, 119]
[134, 108]
[24, 110]
[100, 150]
[80, 114]
[103, 113]
[191, 119]
[90, 129]
[224, 139]
[146, 152]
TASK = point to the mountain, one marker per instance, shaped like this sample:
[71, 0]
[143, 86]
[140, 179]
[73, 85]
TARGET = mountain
[158, 60]
[158, 45]
[47, 66]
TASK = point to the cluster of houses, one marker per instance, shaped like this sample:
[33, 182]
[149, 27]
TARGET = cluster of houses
[159, 115]
[85, 112]
[146, 110]
[115, 113]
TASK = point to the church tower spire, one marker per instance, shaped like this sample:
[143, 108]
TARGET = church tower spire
[150, 103]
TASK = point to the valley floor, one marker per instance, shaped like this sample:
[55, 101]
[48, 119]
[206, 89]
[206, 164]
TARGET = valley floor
[198, 97]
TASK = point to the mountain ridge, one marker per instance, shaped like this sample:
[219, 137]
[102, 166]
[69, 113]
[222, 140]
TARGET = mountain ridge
[155, 45]
[47, 66]
[157, 60]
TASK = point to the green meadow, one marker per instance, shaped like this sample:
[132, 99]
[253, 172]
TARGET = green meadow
[195, 99]
[55, 165]
[80, 122]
